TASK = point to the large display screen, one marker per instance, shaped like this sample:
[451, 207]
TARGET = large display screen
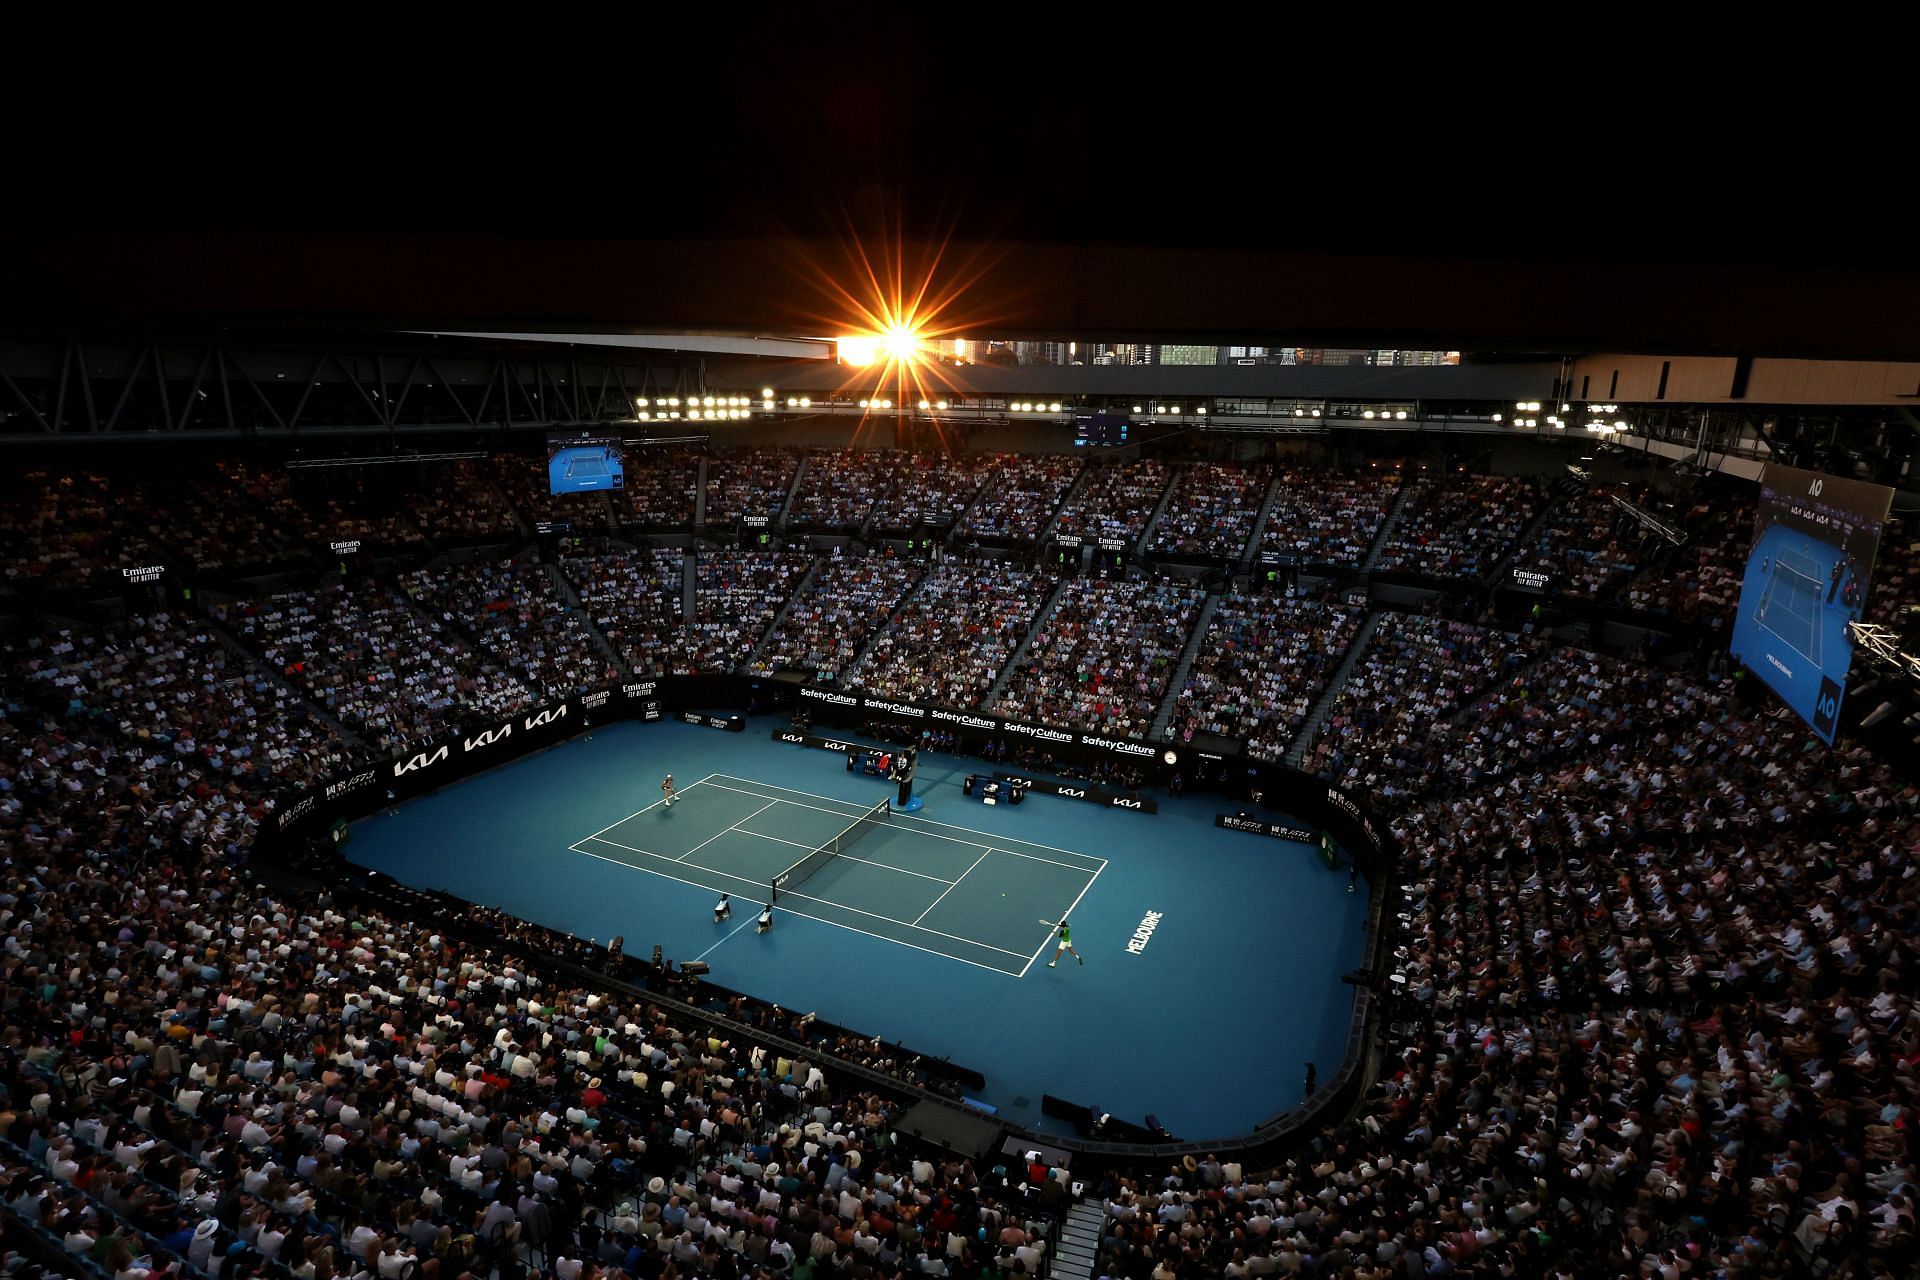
[1814, 542]
[582, 464]
[1093, 430]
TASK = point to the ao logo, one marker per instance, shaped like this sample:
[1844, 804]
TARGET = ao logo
[1828, 706]
[1813, 488]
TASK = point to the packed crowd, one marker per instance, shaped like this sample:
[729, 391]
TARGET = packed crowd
[933, 489]
[1101, 661]
[737, 595]
[1415, 674]
[848, 601]
[62, 529]
[249, 1084]
[1329, 516]
[458, 500]
[1657, 1015]
[525, 482]
[661, 488]
[1020, 497]
[214, 525]
[1212, 510]
[840, 488]
[1460, 526]
[167, 682]
[363, 652]
[1896, 574]
[636, 599]
[1115, 500]
[1587, 546]
[948, 643]
[1264, 661]
[516, 614]
[1700, 582]
[748, 482]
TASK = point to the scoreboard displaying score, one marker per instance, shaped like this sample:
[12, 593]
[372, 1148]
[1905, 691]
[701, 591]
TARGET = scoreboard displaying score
[1099, 430]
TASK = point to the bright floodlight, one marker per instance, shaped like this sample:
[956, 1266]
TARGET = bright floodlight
[902, 344]
[860, 350]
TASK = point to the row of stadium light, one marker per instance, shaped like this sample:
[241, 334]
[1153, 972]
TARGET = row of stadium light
[1399, 414]
[1035, 406]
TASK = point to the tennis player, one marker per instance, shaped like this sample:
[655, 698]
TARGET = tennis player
[666, 789]
[1064, 936]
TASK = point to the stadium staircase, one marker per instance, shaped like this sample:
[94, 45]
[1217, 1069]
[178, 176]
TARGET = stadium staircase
[1531, 534]
[866, 646]
[689, 584]
[239, 649]
[564, 585]
[1303, 741]
[760, 646]
[1078, 1254]
[1159, 509]
[1014, 658]
[1252, 550]
[779, 520]
[700, 497]
[1386, 531]
[520, 521]
[1073, 492]
[1179, 681]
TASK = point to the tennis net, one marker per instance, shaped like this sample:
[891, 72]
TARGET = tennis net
[797, 874]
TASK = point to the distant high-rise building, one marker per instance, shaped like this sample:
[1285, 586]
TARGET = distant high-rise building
[1176, 353]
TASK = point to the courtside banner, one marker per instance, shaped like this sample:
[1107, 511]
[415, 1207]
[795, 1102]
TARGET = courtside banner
[1155, 762]
[1087, 791]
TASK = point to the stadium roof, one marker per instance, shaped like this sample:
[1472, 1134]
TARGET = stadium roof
[1128, 182]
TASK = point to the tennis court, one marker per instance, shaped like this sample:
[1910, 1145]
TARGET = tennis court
[1790, 605]
[586, 465]
[968, 895]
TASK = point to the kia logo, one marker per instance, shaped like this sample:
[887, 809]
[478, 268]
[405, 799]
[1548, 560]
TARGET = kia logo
[1073, 792]
[792, 737]
[548, 716]
[837, 746]
[1126, 804]
[420, 761]
[490, 737]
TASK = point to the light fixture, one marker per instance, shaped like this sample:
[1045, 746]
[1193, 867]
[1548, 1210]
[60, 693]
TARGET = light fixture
[806, 402]
[674, 401]
[1401, 414]
[766, 393]
[642, 415]
[793, 402]
[1175, 409]
[1138, 409]
[1299, 413]
[924, 406]
[940, 404]
[1054, 407]
[863, 404]
[709, 402]
[1367, 414]
[1202, 411]
[1496, 417]
[1316, 413]
[886, 404]
[641, 402]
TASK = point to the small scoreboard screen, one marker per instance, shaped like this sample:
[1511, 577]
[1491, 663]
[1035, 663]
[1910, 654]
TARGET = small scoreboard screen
[582, 464]
[1093, 430]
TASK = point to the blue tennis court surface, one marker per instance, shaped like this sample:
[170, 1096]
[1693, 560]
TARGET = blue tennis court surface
[927, 931]
[967, 895]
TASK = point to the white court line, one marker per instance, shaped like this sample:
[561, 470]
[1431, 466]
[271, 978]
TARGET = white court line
[874, 915]
[716, 835]
[931, 835]
[945, 955]
[798, 844]
[949, 889]
[716, 946]
[1064, 915]
[637, 812]
[886, 866]
[795, 893]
